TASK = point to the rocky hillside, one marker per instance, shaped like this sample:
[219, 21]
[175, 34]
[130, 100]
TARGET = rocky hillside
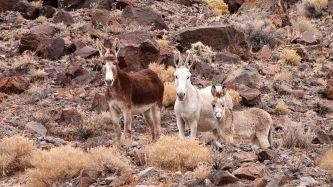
[272, 54]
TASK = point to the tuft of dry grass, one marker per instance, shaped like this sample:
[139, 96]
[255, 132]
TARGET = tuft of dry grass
[37, 4]
[42, 116]
[56, 165]
[38, 74]
[302, 25]
[165, 74]
[163, 44]
[201, 51]
[41, 19]
[219, 7]
[314, 8]
[296, 136]
[169, 95]
[326, 162]
[236, 98]
[281, 108]
[15, 153]
[108, 159]
[283, 76]
[290, 56]
[202, 171]
[174, 153]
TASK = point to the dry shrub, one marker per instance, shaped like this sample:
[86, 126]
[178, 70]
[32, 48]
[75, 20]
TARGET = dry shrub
[38, 74]
[290, 56]
[302, 25]
[201, 51]
[326, 162]
[108, 159]
[174, 153]
[169, 96]
[219, 7]
[15, 153]
[314, 8]
[296, 136]
[165, 74]
[41, 19]
[202, 171]
[37, 4]
[42, 116]
[236, 98]
[163, 44]
[281, 108]
[56, 165]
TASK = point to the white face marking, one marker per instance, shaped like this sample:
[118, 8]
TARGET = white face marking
[109, 77]
[182, 79]
[219, 107]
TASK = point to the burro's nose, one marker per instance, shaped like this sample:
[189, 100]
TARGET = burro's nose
[109, 81]
[218, 116]
[181, 95]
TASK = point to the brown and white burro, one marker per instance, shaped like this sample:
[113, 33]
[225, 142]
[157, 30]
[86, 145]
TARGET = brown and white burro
[132, 93]
[251, 125]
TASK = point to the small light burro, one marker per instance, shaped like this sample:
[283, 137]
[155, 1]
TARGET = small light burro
[132, 93]
[252, 125]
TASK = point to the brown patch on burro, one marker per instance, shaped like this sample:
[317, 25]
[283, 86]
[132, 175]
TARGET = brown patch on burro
[132, 93]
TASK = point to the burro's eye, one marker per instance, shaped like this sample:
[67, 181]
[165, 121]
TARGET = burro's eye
[213, 105]
[188, 77]
[176, 77]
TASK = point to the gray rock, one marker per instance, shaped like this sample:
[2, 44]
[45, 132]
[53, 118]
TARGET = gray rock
[36, 127]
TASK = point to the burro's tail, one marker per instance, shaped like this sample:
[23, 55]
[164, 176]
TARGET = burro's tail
[270, 138]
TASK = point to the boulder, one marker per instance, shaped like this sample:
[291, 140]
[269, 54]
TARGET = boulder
[121, 4]
[248, 76]
[203, 69]
[250, 171]
[250, 96]
[70, 115]
[75, 70]
[328, 92]
[222, 177]
[101, 18]
[246, 156]
[143, 16]
[259, 182]
[36, 128]
[63, 17]
[321, 137]
[226, 57]
[86, 52]
[87, 177]
[6, 5]
[13, 84]
[27, 10]
[53, 3]
[47, 11]
[234, 5]
[266, 154]
[51, 48]
[137, 50]
[219, 37]
[148, 172]
[124, 179]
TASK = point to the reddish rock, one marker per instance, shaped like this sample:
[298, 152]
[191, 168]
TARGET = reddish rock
[322, 137]
[86, 52]
[247, 76]
[100, 18]
[203, 69]
[124, 179]
[226, 57]
[27, 10]
[271, 70]
[139, 157]
[246, 156]
[52, 48]
[259, 182]
[121, 4]
[63, 17]
[265, 53]
[225, 37]
[144, 17]
[250, 171]
[8, 5]
[250, 96]
[222, 177]
[328, 92]
[298, 94]
[266, 154]
[99, 103]
[307, 38]
[87, 177]
[70, 115]
[47, 11]
[167, 56]
[75, 70]
[137, 50]
[53, 3]
[13, 84]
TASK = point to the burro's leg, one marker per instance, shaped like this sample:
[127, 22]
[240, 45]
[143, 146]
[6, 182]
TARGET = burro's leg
[193, 123]
[156, 112]
[181, 126]
[263, 139]
[115, 117]
[127, 122]
[149, 119]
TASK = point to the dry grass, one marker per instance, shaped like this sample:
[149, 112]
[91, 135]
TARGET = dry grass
[38, 74]
[169, 96]
[56, 165]
[326, 162]
[163, 44]
[219, 7]
[296, 136]
[314, 8]
[236, 98]
[302, 25]
[15, 153]
[283, 76]
[42, 116]
[281, 108]
[202, 171]
[201, 51]
[174, 153]
[41, 19]
[290, 56]
[37, 4]
[108, 159]
[165, 74]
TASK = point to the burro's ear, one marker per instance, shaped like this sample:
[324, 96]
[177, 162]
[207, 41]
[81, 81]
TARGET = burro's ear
[103, 51]
[213, 90]
[177, 59]
[189, 60]
[224, 90]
